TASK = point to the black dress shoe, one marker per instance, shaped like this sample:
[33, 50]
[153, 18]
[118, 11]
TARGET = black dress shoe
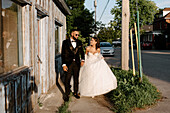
[66, 98]
[76, 95]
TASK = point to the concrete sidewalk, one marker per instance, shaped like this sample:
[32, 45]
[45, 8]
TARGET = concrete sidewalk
[163, 106]
[53, 100]
[97, 104]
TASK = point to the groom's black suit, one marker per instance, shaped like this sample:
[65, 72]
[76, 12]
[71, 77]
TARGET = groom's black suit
[71, 57]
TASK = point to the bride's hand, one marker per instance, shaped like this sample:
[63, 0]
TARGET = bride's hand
[82, 63]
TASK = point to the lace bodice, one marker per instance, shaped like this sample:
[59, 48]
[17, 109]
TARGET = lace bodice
[91, 58]
[91, 54]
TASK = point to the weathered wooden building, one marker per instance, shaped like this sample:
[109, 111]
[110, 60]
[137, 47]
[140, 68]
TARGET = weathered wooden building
[31, 34]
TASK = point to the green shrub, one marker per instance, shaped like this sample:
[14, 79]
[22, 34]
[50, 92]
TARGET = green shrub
[64, 108]
[131, 93]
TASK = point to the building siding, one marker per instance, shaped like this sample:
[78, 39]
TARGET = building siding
[21, 94]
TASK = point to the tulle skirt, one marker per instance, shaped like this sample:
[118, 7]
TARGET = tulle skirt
[96, 78]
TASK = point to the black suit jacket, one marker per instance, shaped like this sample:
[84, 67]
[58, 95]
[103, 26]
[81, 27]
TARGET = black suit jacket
[69, 52]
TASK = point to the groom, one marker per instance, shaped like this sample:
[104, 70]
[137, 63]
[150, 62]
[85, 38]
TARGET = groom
[71, 51]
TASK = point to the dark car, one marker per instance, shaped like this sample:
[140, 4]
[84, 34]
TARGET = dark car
[146, 45]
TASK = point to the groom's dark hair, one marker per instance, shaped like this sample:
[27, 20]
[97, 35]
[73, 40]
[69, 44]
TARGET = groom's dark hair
[73, 30]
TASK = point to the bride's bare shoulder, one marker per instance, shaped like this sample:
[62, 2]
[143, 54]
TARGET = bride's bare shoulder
[87, 48]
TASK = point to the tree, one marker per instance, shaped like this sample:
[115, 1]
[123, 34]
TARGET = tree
[147, 9]
[106, 34]
[80, 18]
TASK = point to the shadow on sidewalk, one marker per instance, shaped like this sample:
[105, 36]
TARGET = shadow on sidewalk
[60, 78]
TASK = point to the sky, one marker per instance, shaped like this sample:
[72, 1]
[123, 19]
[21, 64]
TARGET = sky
[89, 4]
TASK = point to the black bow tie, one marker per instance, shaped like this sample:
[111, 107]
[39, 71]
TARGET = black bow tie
[73, 41]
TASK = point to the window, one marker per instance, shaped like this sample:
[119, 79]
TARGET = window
[11, 48]
[56, 39]
[58, 35]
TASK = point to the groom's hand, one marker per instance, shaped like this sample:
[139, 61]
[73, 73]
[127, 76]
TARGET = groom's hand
[65, 68]
[82, 63]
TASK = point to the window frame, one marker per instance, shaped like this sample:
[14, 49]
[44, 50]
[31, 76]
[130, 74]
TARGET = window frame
[59, 26]
[1, 41]
[57, 39]
[19, 37]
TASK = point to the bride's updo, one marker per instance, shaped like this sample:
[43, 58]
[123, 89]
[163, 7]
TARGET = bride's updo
[98, 42]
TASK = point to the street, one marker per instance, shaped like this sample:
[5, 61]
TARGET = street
[156, 65]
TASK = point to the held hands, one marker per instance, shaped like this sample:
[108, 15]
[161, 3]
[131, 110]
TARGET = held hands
[65, 68]
[82, 63]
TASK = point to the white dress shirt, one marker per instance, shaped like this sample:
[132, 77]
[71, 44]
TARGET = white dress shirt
[73, 43]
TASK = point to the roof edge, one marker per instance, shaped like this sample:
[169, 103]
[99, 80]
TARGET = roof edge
[62, 6]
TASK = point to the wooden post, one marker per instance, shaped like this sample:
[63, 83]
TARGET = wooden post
[125, 35]
[2, 98]
[95, 5]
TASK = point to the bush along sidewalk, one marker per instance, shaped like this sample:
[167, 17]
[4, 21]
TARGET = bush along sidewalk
[130, 93]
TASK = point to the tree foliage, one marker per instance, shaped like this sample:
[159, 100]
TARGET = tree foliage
[147, 9]
[80, 18]
[107, 34]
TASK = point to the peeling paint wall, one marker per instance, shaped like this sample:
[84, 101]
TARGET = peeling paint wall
[38, 31]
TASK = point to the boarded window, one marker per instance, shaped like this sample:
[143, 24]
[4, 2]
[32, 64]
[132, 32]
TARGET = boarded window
[11, 48]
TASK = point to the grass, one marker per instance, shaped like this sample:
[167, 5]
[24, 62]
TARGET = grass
[130, 93]
[64, 107]
[40, 104]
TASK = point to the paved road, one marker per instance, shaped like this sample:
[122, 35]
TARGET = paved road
[156, 65]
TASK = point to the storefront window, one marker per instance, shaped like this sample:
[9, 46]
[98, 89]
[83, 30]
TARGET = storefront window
[11, 36]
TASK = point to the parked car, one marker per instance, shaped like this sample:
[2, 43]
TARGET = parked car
[106, 48]
[146, 45]
[116, 43]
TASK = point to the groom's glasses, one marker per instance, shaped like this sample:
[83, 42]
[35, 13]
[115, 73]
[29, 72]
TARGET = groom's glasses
[77, 34]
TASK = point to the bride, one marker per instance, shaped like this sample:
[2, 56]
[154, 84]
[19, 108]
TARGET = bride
[95, 76]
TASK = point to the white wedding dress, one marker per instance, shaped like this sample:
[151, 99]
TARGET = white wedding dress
[95, 76]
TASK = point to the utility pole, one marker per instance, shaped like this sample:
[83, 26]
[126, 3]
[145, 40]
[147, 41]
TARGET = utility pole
[125, 35]
[95, 5]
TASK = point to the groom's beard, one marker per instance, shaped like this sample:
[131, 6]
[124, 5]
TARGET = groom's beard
[74, 38]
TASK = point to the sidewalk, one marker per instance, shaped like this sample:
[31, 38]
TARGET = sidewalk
[97, 104]
[163, 106]
[50, 101]
[53, 100]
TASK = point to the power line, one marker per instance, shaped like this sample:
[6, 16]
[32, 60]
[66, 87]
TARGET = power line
[104, 10]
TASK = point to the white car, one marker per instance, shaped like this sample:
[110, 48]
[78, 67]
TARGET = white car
[106, 48]
[116, 43]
